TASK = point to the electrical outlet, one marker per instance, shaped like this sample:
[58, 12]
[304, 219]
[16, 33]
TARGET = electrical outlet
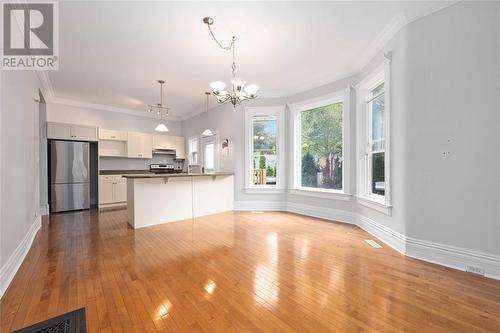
[475, 270]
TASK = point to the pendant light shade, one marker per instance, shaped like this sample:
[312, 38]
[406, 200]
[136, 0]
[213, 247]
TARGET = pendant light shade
[208, 131]
[161, 128]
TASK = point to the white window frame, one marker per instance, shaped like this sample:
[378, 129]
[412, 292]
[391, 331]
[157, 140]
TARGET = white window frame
[381, 203]
[190, 157]
[278, 112]
[296, 109]
[215, 140]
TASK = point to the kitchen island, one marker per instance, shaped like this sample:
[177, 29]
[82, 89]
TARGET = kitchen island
[161, 198]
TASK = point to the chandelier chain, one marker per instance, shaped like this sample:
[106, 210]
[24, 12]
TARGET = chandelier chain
[239, 92]
[233, 43]
[231, 46]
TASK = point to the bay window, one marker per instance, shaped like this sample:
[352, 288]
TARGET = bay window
[376, 140]
[320, 148]
[263, 150]
[373, 137]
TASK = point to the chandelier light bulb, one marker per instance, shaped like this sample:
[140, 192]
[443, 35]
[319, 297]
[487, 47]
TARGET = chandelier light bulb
[238, 83]
[217, 86]
[252, 89]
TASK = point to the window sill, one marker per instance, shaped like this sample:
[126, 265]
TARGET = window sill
[375, 204]
[264, 190]
[324, 194]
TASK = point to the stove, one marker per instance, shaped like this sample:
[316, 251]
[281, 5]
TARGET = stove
[165, 168]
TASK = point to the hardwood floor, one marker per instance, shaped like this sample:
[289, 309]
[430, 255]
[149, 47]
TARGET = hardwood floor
[238, 272]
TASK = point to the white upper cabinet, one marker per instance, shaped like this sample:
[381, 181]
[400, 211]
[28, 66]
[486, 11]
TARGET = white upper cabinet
[84, 133]
[106, 134]
[180, 147]
[71, 132]
[139, 145]
[163, 142]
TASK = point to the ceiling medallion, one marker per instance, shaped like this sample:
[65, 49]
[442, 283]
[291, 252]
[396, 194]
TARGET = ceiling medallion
[240, 92]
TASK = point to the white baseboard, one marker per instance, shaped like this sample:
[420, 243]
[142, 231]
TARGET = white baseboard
[392, 238]
[441, 254]
[44, 209]
[453, 257]
[259, 205]
[9, 269]
[314, 211]
[322, 212]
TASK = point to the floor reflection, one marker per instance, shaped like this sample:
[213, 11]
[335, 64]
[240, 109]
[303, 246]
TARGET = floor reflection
[266, 288]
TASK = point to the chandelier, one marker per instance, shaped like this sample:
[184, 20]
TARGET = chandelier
[160, 109]
[240, 91]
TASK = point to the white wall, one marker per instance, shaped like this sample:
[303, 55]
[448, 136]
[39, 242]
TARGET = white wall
[42, 130]
[20, 179]
[453, 78]
[117, 121]
[445, 77]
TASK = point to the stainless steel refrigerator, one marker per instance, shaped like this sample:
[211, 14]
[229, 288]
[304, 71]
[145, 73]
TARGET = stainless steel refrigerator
[69, 176]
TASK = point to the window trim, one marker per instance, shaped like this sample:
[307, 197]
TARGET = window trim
[296, 110]
[381, 203]
[250, 112]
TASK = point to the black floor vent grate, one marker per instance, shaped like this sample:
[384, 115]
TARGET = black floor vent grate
[71, 322]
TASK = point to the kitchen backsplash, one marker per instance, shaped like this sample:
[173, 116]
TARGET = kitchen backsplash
[113, 163]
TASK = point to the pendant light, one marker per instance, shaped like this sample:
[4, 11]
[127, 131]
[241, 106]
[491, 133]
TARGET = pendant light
[161, 110]
[208, 131]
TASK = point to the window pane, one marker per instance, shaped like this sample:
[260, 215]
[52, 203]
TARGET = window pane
[378, 173]
[264, 150]
[209, 157]
[193, 151]
[378, 90]
[322, 147]
[378, 118]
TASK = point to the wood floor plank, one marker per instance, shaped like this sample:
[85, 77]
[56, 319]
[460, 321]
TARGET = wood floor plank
[238, 272]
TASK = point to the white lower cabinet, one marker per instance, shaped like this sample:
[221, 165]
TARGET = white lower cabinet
[112, 191]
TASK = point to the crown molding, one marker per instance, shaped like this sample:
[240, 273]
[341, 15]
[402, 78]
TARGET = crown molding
[101, 107]
[46, 86]
[388, 32]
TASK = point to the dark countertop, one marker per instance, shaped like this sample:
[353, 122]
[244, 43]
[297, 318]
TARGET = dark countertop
[123, 172]
[172, 175]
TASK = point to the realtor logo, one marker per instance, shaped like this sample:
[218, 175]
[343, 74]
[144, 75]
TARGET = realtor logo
[30, 36]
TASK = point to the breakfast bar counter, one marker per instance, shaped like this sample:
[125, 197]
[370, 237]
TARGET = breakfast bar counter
[161, 198]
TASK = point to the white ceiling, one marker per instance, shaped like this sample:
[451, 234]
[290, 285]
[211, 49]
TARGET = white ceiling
[112, 53]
